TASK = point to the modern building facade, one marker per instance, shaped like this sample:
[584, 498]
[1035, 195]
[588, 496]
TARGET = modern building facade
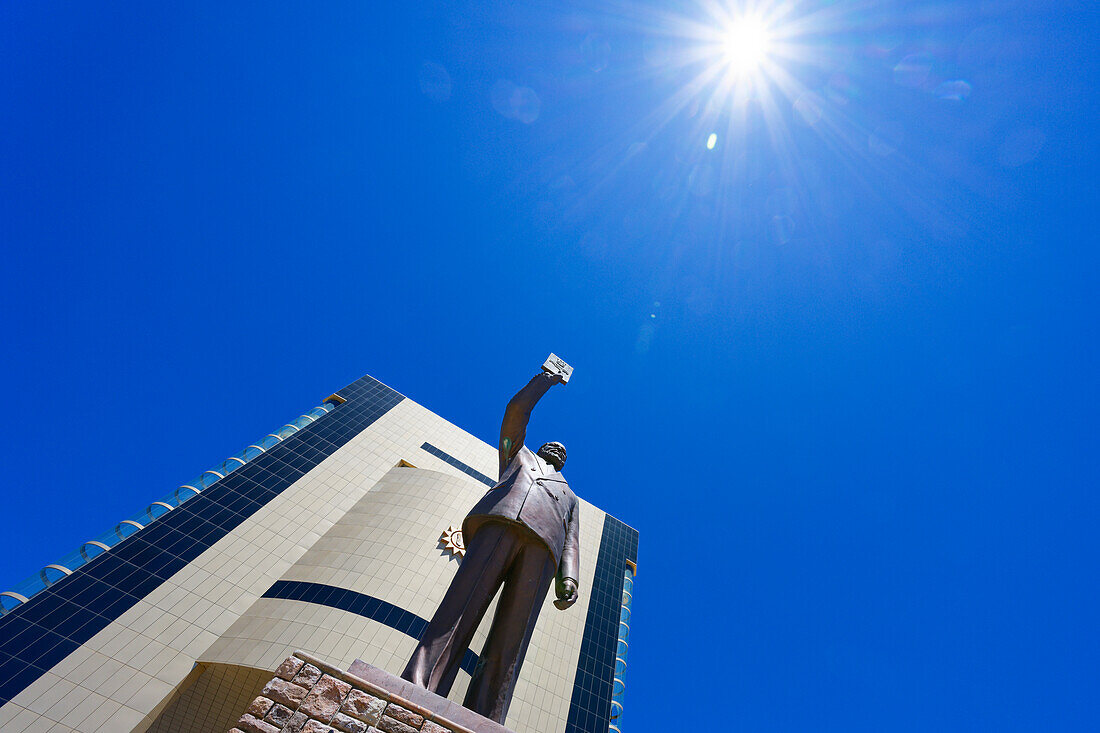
[330, 535]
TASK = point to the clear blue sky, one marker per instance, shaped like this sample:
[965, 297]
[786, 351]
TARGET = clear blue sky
[839, 370]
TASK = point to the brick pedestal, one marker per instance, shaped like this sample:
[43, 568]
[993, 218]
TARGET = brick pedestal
[308, 696]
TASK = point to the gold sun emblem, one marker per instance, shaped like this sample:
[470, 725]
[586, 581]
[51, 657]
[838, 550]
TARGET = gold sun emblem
[451, 539]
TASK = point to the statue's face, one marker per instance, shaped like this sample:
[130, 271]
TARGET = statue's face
[553, 453]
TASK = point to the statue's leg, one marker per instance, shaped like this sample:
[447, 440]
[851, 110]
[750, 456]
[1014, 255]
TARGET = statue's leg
[525, 585]
[437, 658]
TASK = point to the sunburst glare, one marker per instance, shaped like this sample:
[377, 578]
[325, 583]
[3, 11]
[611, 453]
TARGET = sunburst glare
[746, 43]
[778, 95]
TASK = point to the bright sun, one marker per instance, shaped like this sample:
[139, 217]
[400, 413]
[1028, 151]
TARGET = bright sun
[746, 43]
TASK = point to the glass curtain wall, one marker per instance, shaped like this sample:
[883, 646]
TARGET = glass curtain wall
[621, 649]
[103, 542]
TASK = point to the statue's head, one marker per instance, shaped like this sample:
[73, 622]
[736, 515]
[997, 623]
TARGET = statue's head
[553, 453]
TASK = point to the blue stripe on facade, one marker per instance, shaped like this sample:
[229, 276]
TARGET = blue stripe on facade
[590, 704]
[468, 470]
[363, 605]
[40, 633]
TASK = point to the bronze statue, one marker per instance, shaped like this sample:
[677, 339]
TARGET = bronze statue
[523, 532]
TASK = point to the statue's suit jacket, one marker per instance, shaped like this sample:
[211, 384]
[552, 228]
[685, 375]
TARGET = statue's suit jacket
[540, 500]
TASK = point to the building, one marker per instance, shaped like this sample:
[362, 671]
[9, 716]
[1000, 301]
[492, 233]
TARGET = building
[330, 535]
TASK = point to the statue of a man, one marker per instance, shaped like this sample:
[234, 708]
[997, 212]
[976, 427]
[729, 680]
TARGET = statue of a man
[524, 532]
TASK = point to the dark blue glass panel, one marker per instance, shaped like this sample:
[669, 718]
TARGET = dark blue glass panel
[590, 704]
[82, 604]
[468, 470]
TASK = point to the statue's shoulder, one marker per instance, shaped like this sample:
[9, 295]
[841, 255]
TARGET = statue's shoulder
[526, 456]
[523, 458]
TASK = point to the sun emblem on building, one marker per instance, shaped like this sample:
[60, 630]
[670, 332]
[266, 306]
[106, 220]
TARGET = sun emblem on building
[451, 540]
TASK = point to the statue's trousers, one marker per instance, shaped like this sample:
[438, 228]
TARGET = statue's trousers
[500, 553]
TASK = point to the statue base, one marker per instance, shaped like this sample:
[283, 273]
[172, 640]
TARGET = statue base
[309, 696]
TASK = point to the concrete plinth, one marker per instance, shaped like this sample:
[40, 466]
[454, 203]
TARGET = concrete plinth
[309, 696]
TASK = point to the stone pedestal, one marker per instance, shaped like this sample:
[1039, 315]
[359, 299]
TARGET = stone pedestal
[309, 696]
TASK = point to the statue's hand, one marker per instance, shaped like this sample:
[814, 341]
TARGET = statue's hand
[567, 594]
[551, 377]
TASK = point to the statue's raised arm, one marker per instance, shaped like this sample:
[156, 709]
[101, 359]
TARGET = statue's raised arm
[513, 429]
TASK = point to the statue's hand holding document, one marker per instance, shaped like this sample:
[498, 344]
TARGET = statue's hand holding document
[556, 365]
